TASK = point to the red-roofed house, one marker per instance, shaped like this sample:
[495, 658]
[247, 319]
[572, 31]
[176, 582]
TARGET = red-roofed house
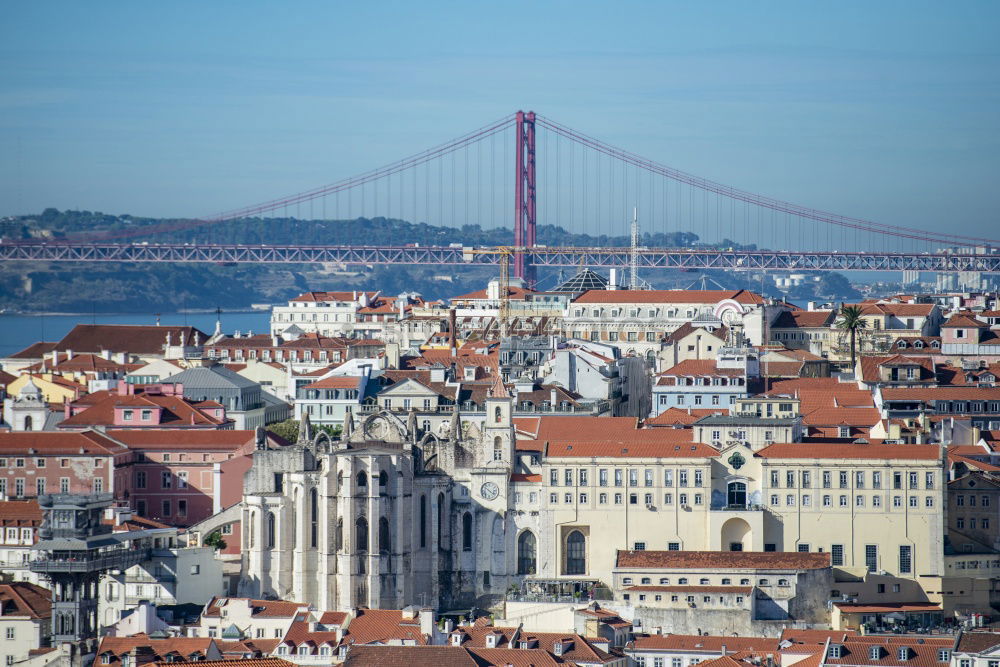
[356, 314]
[25, 620]
[147, 407]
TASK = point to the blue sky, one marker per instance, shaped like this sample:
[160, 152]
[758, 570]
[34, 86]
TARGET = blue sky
[887, 111]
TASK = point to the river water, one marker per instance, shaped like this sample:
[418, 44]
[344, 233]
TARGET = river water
[19, 331]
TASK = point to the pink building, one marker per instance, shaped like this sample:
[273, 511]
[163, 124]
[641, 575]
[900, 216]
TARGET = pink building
[36, 462]
[181, 476]
[154, 406]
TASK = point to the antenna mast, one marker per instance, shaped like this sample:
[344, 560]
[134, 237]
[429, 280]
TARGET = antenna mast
[633, 273]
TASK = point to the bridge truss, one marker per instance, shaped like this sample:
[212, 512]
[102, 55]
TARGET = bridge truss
[648, 258]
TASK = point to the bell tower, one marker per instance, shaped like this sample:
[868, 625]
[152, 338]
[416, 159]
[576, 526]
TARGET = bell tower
[496, 447]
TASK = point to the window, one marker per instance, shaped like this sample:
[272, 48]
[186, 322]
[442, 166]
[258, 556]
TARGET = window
[467, 532]
[576, 548]
[64, 485]
[165, 507]
[166, 481]
[98, 485]
[618, 499]
[602, 499]
[871, 556]
[826, 479]
[673, 546]
[790, 479]
[905, 559]
[602, 477]
[682, 479]
[834, 650]
[682, 498]
[859, 479]
[668, 499]
[584, 477]
[640, 546]
[699, 479]
[875, 653]
[140, 479]
[648, 477]
[897, 501]
[526, 549]
[182, 479]
[913, 501]
[806, 501]
[182, 508]
[806, 479]
[929, 480]
[775, 478]
[633, 499]
[837, 554]
[619, 477]
[554, 477]
[859, 501]
[843, 479]
[876, 501]
[790, 500]
[876, 480]
[960, 500]
[668, 478]
[554, 498]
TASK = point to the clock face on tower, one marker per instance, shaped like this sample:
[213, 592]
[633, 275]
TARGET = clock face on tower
[489, 491]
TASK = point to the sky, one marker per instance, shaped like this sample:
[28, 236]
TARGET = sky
[887, 111]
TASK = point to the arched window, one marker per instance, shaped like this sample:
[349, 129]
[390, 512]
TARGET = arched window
[497, 415]
[498, 448]
[361, 534]
[362, 480]
[313, 517]
[526, 553]
[576, 553]
[425, 426]
[423, 522]
[384, 540]
[253, 530]
[339, 537]
[440, 522]
[737, 496]
[467, 531]
[383, 480]
[269, 541]
[27, 423]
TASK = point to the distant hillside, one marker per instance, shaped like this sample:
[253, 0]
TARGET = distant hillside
[55, 287]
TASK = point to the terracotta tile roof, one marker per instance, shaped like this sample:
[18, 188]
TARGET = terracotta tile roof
[20, 513]
[49, 443]
[335, 382]
[949, 393]
[25, 599]
[177, 412]
[333, 617]
[513, 293]
[232, 650]
[688, 328]
[243, 662]
[409, 656]
[738, 590]
[963, 321]
[333, 296]
[799, 319]
[867, 417]
[705, 643]
[815, 637]
[977, 642]
[842, 450]
[131, 338]
[261, 608]
[521, 477]
[159, 648]
[700, 368]
[686, 417]
[781, 369]
[747, 560]
[34, 351]
[668, 296]
[381, 625]
[513, 657]
[895, 309]
[214, 440]
[923, 651]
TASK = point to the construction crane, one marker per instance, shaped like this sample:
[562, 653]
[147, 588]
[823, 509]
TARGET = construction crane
[504, 311]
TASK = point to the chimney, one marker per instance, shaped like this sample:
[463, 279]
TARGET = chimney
[453, 332]
[427, 621]
[106, 355]
[552, 397]
[69, 354]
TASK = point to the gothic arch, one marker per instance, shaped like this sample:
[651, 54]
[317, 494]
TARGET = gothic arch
[527, 553]
[384, 425]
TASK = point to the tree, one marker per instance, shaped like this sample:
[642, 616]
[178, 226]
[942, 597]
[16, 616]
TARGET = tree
[288, 429]
[215, 540]
[852, 322]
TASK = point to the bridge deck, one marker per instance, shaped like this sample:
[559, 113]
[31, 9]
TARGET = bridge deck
[649, 258]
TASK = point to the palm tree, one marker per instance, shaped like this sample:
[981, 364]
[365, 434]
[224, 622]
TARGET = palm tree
[852, 321]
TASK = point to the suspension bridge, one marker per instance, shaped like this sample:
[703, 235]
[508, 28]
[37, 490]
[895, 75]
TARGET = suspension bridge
[524, 171]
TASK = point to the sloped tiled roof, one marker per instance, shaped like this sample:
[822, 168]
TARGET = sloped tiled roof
[131, 338]
[785, 560]
[25, 599]
[54, 443]
[841, 450]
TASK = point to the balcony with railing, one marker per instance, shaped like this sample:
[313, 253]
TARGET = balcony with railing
[88, 560]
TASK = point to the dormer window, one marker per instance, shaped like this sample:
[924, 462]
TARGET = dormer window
[106, 659]
[935, 344]
[904, 653]
[918, 344]
[456, 639]
[875, 653]
[834, 651]
[558, 648]
[902, 344]
[845, 431]
[944, 655]
[491, 640]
